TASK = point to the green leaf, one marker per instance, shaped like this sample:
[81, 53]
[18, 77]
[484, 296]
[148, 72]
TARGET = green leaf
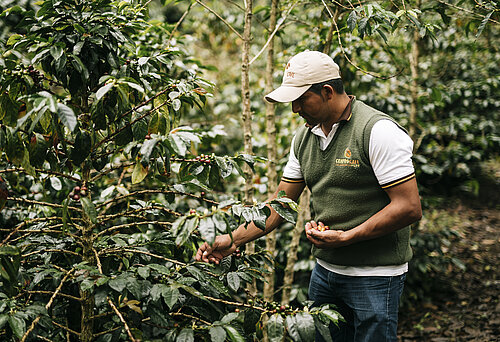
[81, 147]
[103, 90]
[143, 271]
[139, 173]
[331, 315]
[323, 329]
[228, 318]
[291, 327]
[154, 123]
[233, 281]
[233, 334]
[177, 144]
[140, 129]
[207, 229]
[18, 325]
[177, 225]
[89, 209]
[483, 23]
[135, 86]
[260, 217]
[8, 110]
[147, 148]
[67, 116]
[217, 334]
[225, 166]
[118, 284]
[13, 39]
[276, 328]
[81, 68]
[286, 213]
[55, 183]
[176, 104]
[5, 318]
[352, 20]
[305, 326]
[25, 164]
[156, 291]
[170, 296]
[187, 231]
[56, 51]
[15, 148]
[186, 335]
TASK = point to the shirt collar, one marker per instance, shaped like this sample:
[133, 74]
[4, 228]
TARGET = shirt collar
[347, 113]
[345, 116]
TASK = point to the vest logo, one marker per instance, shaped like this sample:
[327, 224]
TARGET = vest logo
[347, 153]
[347, 161]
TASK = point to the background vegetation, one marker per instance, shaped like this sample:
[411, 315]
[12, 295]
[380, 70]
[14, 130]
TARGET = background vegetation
[128, 131]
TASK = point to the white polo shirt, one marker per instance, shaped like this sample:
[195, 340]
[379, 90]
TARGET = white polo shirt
[390, 153]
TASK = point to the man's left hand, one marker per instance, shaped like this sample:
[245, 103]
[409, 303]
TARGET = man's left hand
[324, 238]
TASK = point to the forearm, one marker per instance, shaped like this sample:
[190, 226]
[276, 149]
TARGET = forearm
[403, 209]
[243, 235]
[391, 218]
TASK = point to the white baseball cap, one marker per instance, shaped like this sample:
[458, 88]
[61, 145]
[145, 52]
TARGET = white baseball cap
[303, 70]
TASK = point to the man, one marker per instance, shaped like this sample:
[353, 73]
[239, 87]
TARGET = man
[357, 163]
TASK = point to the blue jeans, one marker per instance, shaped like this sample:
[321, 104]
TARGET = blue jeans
[368, 304]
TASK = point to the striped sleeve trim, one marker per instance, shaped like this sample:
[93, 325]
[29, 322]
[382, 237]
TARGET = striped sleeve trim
[292, 180]
[398, 181]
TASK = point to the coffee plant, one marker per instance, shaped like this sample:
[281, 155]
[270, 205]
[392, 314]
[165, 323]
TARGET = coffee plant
[105, 196]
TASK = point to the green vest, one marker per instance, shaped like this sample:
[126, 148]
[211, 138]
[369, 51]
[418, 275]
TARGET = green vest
[345, 191]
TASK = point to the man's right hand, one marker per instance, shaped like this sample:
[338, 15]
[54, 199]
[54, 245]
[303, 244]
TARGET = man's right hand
[222, 247]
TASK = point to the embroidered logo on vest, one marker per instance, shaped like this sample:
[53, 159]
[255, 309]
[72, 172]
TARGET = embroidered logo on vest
[347, 161]
[347, 153]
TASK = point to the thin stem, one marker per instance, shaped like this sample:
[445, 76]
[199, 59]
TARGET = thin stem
[110, 302]
[58, 174]
[46, 204]
[177, 24]
[128, 225]
[51, 250]
[281, 21]
[343, 50]
[222, 19]
[65, 328]
[190, 317]
[58, 294]
[47, 306]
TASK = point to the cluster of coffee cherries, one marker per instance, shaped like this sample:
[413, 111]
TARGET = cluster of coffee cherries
[274, 307]
[78, 192]
[205, 158]
[321, 228]
[237, 253]
[34, 74]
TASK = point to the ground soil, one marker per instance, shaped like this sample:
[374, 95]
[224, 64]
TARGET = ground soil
[468, 307]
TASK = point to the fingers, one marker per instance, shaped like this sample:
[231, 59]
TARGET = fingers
[315, 232]
[204, 253]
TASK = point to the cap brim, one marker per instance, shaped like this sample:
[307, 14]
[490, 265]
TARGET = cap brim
[286, 93]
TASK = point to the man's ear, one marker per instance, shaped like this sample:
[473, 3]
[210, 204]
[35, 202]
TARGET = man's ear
[328, 91]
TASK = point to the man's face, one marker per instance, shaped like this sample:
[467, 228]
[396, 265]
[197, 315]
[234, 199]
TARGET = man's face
[312, 107]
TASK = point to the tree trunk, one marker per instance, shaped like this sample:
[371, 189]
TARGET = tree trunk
[303, 216]
[87, 303]
[247, 116]
[329, 37]
[415, 51]
[272, 176]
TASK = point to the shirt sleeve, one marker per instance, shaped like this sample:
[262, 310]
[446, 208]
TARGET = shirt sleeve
[292, 172]
[390, 153]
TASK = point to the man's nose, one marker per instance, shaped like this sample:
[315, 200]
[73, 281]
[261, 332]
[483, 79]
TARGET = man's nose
[295, 106]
